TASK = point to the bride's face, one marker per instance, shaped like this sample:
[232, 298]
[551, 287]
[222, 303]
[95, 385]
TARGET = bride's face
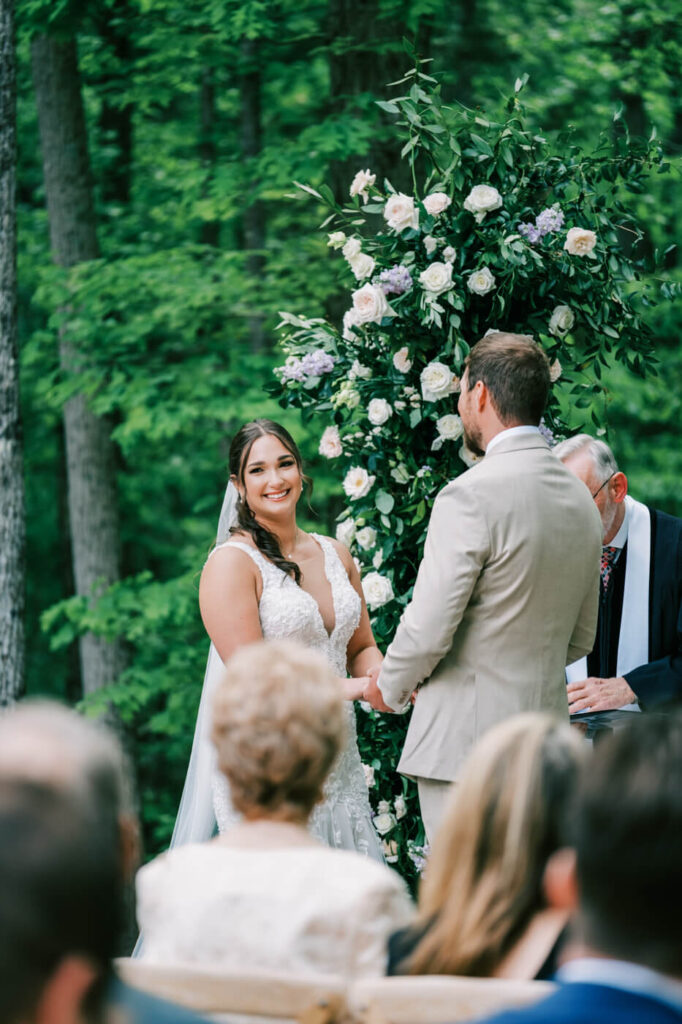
[272, 481]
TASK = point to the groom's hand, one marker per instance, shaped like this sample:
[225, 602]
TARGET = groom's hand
[372, 692]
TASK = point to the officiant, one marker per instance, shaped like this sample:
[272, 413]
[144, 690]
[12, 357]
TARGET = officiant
[636, 662]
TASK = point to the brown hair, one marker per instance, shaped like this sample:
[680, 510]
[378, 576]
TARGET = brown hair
[483, 882]
[278, 725]
[240, 448]
[516, 372]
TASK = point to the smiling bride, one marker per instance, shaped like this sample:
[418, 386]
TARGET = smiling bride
[268, 578]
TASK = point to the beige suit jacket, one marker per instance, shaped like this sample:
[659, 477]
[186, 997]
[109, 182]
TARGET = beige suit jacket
[506, 596]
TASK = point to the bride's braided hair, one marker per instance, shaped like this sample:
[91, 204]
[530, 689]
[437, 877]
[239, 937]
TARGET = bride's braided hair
[265, 541]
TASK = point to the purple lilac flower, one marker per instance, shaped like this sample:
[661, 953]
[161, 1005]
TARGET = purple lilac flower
[530, 232]
[551, 219]
[291, 370]
[395, 280]
[547, 433]
[314, 364]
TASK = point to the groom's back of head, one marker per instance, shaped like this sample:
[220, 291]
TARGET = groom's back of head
[516, 372]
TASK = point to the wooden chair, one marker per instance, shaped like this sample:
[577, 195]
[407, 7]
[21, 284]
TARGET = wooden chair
[310, 999]
[436, 999]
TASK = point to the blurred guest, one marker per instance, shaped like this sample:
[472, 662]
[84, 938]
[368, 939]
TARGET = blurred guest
[623, 882]
[80, 760]
[636, 661]
[266, 894]
[59, 906]
[482, 909]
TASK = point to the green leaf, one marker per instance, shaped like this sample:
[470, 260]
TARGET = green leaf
[384, 501]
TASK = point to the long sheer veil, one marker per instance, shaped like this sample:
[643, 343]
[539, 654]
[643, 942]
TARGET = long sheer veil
[196, 819]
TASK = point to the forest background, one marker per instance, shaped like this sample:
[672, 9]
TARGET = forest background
[148, 296]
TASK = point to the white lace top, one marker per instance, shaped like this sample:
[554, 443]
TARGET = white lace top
[287, 612]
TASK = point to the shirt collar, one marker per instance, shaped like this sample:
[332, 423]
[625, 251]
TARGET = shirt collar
[511, 432]
[622, 535]
[626, 976]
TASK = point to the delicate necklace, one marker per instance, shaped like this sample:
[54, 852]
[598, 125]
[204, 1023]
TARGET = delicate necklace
[289, 554]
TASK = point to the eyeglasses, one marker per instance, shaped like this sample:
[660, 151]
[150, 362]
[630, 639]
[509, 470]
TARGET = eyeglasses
[604, 484]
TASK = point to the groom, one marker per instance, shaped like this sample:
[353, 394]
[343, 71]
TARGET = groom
[507, 591]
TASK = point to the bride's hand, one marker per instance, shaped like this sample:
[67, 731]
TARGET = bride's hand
[354, 688]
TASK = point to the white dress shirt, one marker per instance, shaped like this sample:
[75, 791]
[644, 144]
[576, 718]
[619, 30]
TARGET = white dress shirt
[511, 432]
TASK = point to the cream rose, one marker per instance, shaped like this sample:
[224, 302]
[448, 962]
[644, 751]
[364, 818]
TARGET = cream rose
[358, 371]
[336, 239]
[449, 427]
[468, 457]
[449, 254]
[430, 244]
[481, 281]
[435, 379]
[377, 559]
[345, 531]
[555, 371]
[436, 203]
[368, 770]
[400, 212]
[379, 411]
[366, 537]
[352, 248]
[370, 305]
[561, 321]
[350, 319]
[400, 806]
[330, 443]
[378, 590]
[384, 821]
[437, 278]
[358, 483]
[362, 181]
[362, 266]
[481, 200]
[401, 360]
[580, 241]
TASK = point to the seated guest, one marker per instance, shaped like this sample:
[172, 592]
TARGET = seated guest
[265, 894]
[59, 906]
[636, 662]
[482, 909]
[622, 880]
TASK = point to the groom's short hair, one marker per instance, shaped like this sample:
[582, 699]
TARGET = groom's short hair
[516, 372]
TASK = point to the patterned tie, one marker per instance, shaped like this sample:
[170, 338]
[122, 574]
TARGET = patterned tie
[608, 560]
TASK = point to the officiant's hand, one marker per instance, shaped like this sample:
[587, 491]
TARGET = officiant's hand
[599, 694]
[372, 692]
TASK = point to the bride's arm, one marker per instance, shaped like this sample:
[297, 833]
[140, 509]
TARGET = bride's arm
[228, 599]
[363, 653]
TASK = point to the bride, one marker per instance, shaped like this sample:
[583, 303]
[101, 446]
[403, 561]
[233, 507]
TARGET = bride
[268, 578]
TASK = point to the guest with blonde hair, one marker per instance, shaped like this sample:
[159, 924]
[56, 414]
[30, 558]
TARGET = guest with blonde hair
[266, 894]
[482, 910]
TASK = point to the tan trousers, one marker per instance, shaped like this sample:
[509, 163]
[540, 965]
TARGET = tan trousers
[433, 796]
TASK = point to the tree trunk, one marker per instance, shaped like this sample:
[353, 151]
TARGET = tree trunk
[251, 142]
[12, 521]
[116, 121]
[210, 229]
[93, 511]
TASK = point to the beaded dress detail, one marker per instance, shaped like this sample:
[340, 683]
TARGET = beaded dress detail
[287, 612]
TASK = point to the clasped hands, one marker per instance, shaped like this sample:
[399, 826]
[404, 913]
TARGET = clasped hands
[596, 694]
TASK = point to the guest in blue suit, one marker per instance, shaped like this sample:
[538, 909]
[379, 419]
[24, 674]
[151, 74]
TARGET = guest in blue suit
[622, 878]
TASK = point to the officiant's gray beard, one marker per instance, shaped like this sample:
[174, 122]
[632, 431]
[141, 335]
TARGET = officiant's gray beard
[474, 442]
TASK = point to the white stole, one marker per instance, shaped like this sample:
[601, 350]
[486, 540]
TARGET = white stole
[633, 642]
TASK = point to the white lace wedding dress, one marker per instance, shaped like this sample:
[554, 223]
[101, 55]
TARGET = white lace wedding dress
[344, 819]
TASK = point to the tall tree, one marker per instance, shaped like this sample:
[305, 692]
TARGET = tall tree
[12, 523]
[251, 139]
[90, 453]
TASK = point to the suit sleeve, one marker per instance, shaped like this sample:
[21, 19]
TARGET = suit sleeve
[660, 682]
[457, 547]
[585, 630]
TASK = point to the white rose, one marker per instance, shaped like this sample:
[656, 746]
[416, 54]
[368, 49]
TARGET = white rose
[400, 806]
[481, 200]
[436, 203]
[468, 457]
[345, 531]
[357, 482]
[362, 181]
[362, 266]
[430, 244]
[449, 253]
[378, 590]
[368, 769]
[384, 822]
[555, 371]
[436, 379]
[580, 241]
[336, 239]
[350, 319]
[352, 248]
[561, 321]
[401, 360]
[370, 305]
[346, 395]
[378, 411]
[384, 807]
[400, 212]
[378, 559]
[481, 281]
[366, 537]
[330, 443]
[449, 427]
[437, 278]
[357, 370]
